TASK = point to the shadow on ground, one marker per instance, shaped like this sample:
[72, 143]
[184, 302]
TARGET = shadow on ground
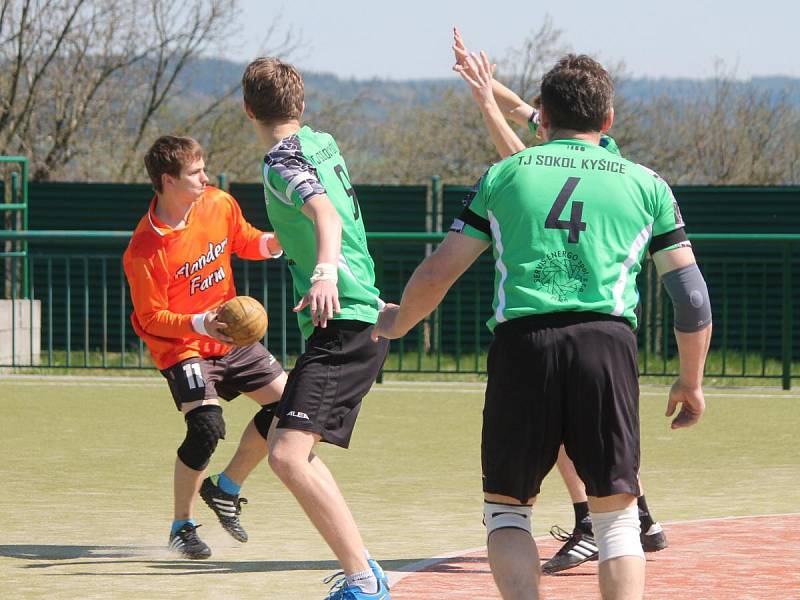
[43, 556]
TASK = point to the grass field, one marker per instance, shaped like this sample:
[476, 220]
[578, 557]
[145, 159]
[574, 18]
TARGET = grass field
[86, 497]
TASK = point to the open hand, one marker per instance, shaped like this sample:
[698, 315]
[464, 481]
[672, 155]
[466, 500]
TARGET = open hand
[478, 72]
[323, 301]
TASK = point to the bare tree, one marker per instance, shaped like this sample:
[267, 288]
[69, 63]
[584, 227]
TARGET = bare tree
[732, 135]
[85, 82]
[523, 66]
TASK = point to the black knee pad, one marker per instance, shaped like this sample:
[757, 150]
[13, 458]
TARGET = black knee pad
[204, 428]
[263, 418]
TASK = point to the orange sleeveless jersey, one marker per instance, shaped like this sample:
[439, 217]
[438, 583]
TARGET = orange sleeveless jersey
[175, 274]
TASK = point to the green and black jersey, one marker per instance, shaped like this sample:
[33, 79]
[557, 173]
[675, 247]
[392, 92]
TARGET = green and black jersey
[301, 166]
[570, 224]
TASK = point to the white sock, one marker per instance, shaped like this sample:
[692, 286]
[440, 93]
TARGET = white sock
[365, 580]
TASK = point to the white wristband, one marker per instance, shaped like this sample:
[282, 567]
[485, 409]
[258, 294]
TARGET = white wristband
[199, 323]
[325, 272]
[264, 246]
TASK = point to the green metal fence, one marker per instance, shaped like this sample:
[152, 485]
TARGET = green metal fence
[14, 211]
[79, 297]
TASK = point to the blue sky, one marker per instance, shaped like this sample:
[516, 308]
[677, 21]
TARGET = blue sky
[410, 39]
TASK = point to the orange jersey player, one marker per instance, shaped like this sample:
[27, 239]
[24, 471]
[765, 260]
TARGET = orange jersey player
[177, 275]
[178, 265]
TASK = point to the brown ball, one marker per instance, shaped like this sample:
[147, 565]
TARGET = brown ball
[245, 318]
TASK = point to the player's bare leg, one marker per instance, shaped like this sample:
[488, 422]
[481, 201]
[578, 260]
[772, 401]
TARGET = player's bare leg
[221, 492]
[187, 481]
[575, 487]
[253, 447]
[292, 459]
[622, 577]
[579, 545]
[513, 558]
[186, 485]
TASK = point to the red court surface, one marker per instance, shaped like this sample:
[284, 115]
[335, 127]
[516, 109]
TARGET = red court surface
[741, 558]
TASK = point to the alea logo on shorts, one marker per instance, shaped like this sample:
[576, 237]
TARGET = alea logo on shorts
[561, 274]
[297, 414]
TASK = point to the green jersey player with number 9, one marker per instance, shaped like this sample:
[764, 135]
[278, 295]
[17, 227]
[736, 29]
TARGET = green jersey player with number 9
[315, 213]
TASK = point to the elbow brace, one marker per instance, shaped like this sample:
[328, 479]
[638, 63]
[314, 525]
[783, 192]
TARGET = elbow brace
[690, 301]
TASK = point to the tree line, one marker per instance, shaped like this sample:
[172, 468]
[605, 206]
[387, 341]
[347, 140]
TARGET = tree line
[86, 85]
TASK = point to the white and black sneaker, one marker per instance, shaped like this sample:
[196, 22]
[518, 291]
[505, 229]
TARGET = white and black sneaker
[579, 547]
[186, 543]
[653, 539]
[227, 507]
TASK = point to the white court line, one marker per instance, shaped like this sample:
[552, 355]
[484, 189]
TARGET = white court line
[396, 576]
[393, 386]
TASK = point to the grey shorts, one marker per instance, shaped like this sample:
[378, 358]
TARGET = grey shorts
[243, 369]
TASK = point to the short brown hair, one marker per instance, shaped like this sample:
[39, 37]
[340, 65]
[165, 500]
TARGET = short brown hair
[168, 155]
[577, 94]
[273, 90]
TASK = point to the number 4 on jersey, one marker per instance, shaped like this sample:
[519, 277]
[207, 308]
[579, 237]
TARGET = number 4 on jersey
[575, 225]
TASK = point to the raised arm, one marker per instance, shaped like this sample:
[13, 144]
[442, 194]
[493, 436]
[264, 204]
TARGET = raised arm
[477, 72]
[511, 105]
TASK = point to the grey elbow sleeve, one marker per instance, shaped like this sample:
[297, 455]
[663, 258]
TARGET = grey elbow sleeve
[689, 294]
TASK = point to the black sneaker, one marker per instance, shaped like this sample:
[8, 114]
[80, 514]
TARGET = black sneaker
[578, 549]
[653, 539]
[186, 543]
[227, 507]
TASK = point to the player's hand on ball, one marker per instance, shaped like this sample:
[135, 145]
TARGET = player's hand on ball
[692, 401]
[243, 321]
[215, 328]
[323, 301]
[386, 327]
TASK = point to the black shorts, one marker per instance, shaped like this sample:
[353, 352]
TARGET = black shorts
[243, 369]
[324, 391]
[568, 378]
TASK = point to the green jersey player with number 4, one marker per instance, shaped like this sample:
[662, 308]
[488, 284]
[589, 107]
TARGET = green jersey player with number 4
[314, 211]
[569, 224]
[579, 544]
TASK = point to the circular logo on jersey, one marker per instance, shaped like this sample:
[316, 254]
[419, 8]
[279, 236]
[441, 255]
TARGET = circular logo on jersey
[561, 274]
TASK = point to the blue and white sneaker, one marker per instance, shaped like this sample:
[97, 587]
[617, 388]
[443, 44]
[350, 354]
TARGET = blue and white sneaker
[379, 573]
[341, 591]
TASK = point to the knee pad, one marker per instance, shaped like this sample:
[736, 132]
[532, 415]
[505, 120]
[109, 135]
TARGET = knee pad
[616, 533]
[503, 516]
[204, 428]
[263, 419]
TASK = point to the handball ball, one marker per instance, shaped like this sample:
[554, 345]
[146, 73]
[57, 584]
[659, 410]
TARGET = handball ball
[245, 318]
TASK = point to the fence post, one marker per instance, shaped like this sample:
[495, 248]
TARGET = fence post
[786, 320]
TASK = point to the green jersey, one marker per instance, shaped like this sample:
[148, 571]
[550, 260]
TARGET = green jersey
[299, 167]
[606, 141]
[569, 224]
